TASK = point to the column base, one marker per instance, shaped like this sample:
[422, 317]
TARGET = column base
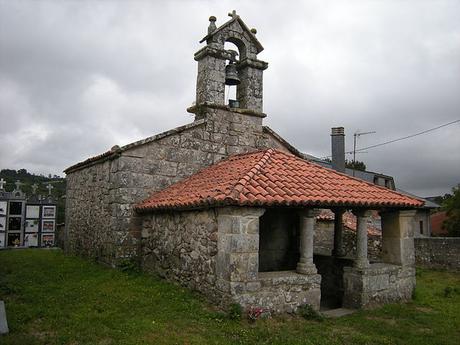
[361, 263]
[303, 268]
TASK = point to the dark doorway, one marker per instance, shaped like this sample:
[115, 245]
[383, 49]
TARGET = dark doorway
[278, 240]
[331, 270]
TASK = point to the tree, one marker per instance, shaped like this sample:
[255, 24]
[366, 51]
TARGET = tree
[356, 165]
[452, 207]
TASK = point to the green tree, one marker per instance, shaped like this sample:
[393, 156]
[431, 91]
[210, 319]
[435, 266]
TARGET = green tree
[452, 207]
[356, 165]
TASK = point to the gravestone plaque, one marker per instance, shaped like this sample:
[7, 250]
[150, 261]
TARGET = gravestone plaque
[15, 208]
[3, 205]
[48, 226]
[32, 211]
[32, 225]
[14, 224]
[47, 240]
[14, 239]
[2, 239]
[31, 240]
[49, 212]
[2, 224]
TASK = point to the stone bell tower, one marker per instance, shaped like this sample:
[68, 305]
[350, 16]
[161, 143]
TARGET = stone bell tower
[246, 73]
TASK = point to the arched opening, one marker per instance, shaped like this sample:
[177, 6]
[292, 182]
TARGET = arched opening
[231, 72]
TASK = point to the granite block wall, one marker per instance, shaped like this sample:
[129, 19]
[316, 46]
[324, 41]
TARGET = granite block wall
[100, 221]
[182, 247]
[438, 252]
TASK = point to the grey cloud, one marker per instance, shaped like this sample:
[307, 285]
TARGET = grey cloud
[77, 77]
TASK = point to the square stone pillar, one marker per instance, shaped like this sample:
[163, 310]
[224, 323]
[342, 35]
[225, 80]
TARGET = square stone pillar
[307, 232]
[338, 233]
[238, 249]
[398, 237]
[361, 260]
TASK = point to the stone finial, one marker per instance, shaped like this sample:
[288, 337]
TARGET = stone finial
[212, 24]
[49, 187]
[2, 183]
[233, 14]
[253, 31]
[115, 148]
[34, 188]
[18, 185]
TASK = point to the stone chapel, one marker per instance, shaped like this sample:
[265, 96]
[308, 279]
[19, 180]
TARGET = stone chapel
[225, 206]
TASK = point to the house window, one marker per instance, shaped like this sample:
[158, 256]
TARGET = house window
[421, 227]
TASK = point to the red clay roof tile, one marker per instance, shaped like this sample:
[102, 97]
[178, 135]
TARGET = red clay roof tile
[272, 178]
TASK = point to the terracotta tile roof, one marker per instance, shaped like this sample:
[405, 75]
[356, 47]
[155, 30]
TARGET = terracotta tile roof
[437, 219]
[272, 178]
[350, 222]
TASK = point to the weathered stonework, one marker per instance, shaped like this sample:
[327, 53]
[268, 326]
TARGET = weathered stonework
[324, 242]
[182, 247]
[215, 252]
[438, 252]
[377, 284]
[100, 222]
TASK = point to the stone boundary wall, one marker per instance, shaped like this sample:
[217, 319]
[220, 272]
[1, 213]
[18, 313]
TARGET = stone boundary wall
[324, 241]
[182, 247]
[438, 252]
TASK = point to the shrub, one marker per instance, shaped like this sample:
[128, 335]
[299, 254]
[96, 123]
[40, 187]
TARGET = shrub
[235, 311]
[308, 313]
[129, 265]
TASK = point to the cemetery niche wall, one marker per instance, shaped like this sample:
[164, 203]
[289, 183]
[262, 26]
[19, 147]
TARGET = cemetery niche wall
[26, 220]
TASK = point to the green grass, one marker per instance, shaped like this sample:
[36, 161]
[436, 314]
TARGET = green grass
[56, 299]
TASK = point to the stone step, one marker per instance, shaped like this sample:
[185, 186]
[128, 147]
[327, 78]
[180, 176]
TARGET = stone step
[339, 312]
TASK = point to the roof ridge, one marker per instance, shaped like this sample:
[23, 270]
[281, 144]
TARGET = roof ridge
[249, 175]
[362, 180]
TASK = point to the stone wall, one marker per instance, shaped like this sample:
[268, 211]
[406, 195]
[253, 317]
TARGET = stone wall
[101, 195]
[324, 241]
[378, 284]
[88, 213]
[438, 252]
[182, 247]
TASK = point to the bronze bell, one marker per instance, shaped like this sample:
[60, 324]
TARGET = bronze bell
[231, 74]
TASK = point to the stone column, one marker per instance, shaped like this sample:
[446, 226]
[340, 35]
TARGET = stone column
[361, 260]
[338, 233]
[307, 231]
[398, 237]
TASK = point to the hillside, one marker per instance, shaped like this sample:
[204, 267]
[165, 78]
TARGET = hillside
[28, 179]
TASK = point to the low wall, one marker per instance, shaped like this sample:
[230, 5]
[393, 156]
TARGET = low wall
[378, 284]
[438, 252]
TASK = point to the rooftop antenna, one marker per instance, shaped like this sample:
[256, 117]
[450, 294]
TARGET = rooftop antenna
[355, 139]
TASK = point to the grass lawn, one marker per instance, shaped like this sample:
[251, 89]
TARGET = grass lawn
[55, 299]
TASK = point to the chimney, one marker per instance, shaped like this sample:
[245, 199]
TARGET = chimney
[338, 148]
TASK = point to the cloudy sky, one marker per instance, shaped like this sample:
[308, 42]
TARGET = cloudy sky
[77, 77]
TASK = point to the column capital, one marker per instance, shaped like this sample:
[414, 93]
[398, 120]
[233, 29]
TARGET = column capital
[308, 212]
[362, 213]
[407, 213]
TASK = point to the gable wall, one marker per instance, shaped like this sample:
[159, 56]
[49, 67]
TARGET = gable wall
[100, 222]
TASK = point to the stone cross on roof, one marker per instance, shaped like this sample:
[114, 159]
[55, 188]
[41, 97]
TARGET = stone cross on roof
[2, 183]
[49, 187]
[34, 188]
[18, 185]
[233, 14]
